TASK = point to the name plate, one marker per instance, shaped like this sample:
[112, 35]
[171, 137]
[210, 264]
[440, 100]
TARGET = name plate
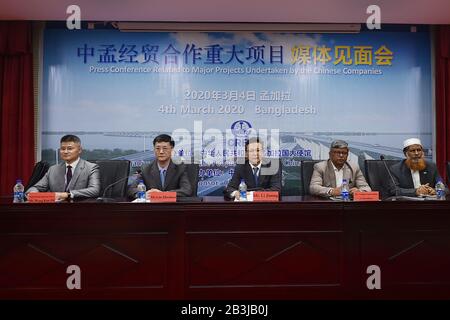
[366, 196]
[168, 196]
[269, 196]
[41, 197]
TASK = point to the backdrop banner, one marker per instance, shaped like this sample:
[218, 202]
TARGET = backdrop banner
[212, 90]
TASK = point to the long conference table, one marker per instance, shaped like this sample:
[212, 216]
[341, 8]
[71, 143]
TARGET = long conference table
[298, 248]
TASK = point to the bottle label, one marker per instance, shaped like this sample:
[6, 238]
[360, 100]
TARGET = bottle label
[18, 196]
[141, 195]
[345, 195]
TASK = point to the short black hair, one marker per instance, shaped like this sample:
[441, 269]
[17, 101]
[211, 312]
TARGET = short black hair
[164, 138]
[253, 140]
[70, 138]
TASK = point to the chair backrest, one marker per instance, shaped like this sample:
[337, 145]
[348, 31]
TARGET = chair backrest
[280, 169]
[448, 172]
[39, 170]
[307, 168]
[192, 171]
[112, 171]
[377, 176]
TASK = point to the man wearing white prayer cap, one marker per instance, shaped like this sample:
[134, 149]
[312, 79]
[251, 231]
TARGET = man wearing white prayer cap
[414, 176]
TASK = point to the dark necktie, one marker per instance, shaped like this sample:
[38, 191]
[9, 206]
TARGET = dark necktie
[255, 176]
[162, 175]
[68, 177]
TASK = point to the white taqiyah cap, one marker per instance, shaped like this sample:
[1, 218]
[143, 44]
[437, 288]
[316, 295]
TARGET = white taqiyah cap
[410, 142]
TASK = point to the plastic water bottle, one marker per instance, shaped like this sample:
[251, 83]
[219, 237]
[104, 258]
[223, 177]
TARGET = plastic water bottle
[440, 190]
[142, 189]
[243, 190]
[344, 191]
[19, 192]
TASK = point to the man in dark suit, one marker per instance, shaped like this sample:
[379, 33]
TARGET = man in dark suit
[256, 174]
[413, 176]
[73, 178]
[162, 174]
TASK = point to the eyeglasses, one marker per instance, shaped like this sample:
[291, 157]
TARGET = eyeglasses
[164, 149]
[340, 153]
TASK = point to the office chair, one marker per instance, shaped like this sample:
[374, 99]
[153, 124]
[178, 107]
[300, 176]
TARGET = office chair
[39, 170]
[377, 176]
[306, 170]
[111, 171]
[192, 171]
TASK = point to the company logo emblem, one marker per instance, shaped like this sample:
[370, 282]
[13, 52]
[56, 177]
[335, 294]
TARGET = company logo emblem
[241, 128]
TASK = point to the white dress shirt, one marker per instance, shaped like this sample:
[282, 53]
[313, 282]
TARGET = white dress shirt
[339, 175]
[416, 178]
[259, 168]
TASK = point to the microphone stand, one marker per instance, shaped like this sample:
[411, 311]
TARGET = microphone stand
[106, 199]
[392, 178]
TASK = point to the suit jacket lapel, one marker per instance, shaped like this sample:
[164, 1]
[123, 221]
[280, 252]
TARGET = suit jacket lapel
[408, 175]
[171, 171]
[154, 175]
[262, 178]
[424, 177]
[348, 174]
[76, 174]
[61, 177]
[249, 173]
[330, 174]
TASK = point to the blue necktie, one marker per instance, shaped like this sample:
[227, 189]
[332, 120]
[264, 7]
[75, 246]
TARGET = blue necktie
[162, 175]
[255, 176]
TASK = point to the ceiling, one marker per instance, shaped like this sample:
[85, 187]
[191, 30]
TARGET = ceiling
[294, 11]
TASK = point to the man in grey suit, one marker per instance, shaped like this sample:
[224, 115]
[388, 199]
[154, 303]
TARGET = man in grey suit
[73, 178]
[162, 174]
[326, 180]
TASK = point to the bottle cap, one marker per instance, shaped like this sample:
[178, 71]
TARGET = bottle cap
[19, 180]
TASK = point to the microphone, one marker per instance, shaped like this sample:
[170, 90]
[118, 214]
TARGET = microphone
[106, 199]
[390, 175]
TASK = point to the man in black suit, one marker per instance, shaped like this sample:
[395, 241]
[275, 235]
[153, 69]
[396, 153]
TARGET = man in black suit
[413, 176]
[162, 174]
[256, 174]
